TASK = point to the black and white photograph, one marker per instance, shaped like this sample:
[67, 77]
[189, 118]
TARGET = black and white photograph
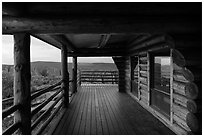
[101, 68]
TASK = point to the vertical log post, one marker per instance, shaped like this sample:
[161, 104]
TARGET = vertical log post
[22, 78]
[133, 61]
[74, 74]
[65, 76]
[123, 65]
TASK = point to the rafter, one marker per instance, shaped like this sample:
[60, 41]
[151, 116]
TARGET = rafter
[88, 52]
[104, 39]
[64, 41]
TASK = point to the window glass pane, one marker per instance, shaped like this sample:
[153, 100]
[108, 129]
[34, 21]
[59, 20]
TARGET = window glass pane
[162, 73]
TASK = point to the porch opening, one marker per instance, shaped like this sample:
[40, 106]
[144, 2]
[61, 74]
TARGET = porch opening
[97, 70]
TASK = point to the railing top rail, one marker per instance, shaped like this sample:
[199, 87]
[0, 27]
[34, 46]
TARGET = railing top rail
[36, 94]
[98, 71]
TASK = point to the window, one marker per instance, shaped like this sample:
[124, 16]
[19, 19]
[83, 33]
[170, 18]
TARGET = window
[160, 89]
[162, 74]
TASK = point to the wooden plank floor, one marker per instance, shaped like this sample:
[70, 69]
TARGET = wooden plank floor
[102, 110]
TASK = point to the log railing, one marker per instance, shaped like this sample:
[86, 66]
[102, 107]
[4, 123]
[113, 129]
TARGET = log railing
[48, 108]
[102, 77]
[51, 102]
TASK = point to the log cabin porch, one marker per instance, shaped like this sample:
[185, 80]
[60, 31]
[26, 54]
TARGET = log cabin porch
[141, 99]
[99, 109]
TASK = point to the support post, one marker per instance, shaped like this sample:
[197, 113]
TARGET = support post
[22, 78]
[123, 65]
[74, 74]
[65, 76]
[133, 64]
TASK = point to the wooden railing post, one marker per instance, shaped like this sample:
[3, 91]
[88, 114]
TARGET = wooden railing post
[74, 74]
[80, 78]
[22, 77]
[65, 76]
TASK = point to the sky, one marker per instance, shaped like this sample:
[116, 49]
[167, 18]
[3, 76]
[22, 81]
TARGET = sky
[41, 51]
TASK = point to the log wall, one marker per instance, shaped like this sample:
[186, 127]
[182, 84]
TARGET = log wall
[123, 65]
[185, 92]
[143, 78]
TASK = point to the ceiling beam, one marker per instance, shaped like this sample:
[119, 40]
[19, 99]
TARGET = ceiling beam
[158, 47]
[95, 52]
[104, 39]
[64, 41]
[149, 41]
[100, 25]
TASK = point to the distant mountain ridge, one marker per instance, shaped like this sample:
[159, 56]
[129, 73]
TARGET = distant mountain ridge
[55, 67]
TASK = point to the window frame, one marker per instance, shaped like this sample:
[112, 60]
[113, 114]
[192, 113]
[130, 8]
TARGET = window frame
[153, 89]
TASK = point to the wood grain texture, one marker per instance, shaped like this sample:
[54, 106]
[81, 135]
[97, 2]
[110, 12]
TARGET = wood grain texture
[65, 76]
[22, 77]
[99, 109]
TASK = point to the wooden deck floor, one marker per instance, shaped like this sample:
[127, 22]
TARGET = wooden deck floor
[101, 109]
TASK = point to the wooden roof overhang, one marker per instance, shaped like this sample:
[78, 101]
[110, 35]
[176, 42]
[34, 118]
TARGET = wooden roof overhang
[104, 29]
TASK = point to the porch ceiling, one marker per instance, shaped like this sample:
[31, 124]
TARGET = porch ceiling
[111, 27]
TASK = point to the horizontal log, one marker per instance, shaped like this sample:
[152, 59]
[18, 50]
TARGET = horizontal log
[84, 52]
[144, 99]
[44, 90]
[179, 130]
[97, 24]
[183, 75]
[144, 93]
[190, 90]
[11, 99]
[63, 40]
[143, 74]
[188, 119]
[144, 53]
[152, 40]
[99, 74]
[74, 9]
[38, 108]
[143, 67]
[98, 77]
[192, 122]
[159, 47]
[189, 104]
[9, 111]
[143, 59]
[137, 39]
[99, 71]
[143, 86]
[180, 111]
[100, 81]
[44, 125]
[178, 58]
[38, 120]
[12, 129]
[181, 123]
[143, 80]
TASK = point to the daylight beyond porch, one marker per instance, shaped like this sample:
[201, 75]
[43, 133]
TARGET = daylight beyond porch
[101, 109]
